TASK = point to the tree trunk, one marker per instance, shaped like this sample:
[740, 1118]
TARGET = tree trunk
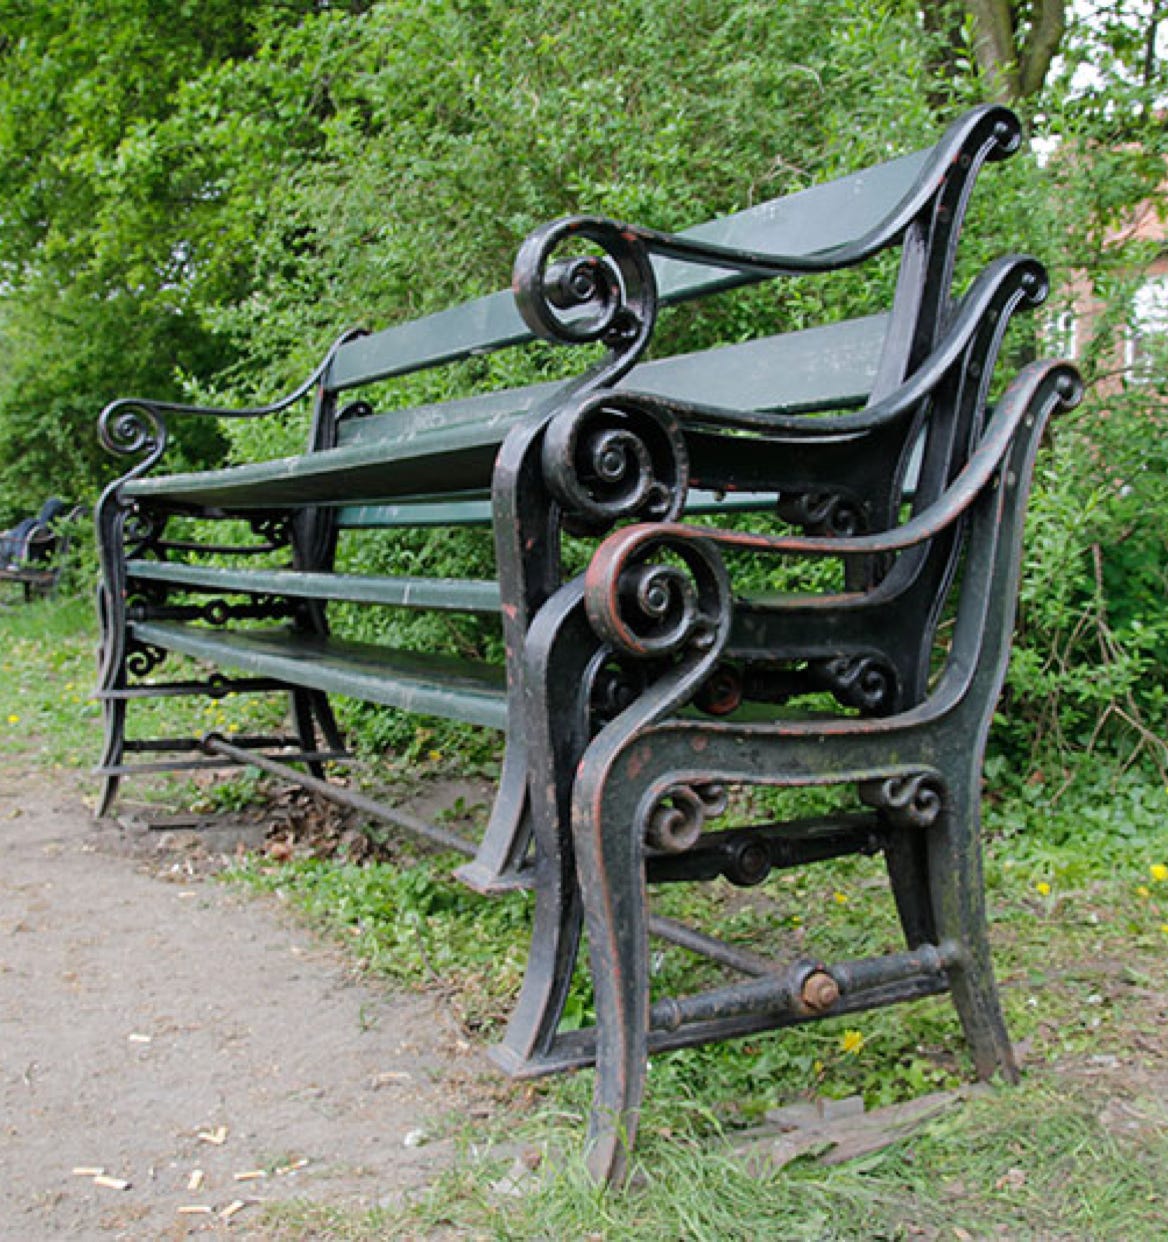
[1014, 50]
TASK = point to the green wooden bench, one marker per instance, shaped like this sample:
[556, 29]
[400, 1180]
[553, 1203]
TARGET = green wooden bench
[630, 438]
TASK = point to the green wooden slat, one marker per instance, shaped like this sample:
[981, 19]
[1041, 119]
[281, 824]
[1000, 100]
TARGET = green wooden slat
[430, 685]
[800, 224]
[817, 368]
[448, 459]
[823, 368]
[413, 514]
[413, 454]
[447, 594]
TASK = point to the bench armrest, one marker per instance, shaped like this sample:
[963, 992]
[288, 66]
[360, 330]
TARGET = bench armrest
[999, 290]
[614, 296]
[624, 612]
[137, 425]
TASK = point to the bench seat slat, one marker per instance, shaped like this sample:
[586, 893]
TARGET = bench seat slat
[476, 511]
[448, 594]
[431, 685]
[439, 449]
[456, 459]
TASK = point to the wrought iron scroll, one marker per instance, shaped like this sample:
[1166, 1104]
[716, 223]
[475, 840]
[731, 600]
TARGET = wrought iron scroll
[652, 594]
[912, 801]
[673, 822]
[822, 513]
[866, 682]
[612, 684]
[613, 456]
[143, 658]
[609, 297]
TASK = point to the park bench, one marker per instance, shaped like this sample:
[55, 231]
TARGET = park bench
[36, 550]
[839, 428]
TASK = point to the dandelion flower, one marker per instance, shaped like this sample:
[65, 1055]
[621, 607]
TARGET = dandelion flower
[1158, 872]
[14, 719]
[1142, 890]
[435, 756]
[851, 1042]
[1043, 888]
[840, 898]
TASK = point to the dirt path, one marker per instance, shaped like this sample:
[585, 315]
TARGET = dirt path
[143, 1016]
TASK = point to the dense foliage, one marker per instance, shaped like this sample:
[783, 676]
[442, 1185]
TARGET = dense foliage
[199, 195]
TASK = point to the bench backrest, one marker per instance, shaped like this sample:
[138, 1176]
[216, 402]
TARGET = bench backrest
[914, 202]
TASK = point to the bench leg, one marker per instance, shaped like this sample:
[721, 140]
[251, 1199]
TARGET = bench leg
[311, 708]
[956, 883]
[561, 647]
[499, 864]
[907, 860]
[555, 943]
[610, 865]
[111, 675]
[114, 713]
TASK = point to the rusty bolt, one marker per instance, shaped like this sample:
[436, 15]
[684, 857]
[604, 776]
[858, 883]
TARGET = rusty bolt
[820, 991]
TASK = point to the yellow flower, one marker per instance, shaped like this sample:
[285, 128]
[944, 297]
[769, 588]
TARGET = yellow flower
[14, 719]
[1164, 928]
[435, 756]
[851, 1042]
[1159, 872]
[840, 898]
[1043, 888]
[1142, 890]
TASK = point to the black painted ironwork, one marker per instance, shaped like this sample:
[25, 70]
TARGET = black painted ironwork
[638, 698]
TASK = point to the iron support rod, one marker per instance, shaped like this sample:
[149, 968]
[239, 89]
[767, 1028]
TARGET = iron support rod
[742, 960]
[215, 745]
[785, 991]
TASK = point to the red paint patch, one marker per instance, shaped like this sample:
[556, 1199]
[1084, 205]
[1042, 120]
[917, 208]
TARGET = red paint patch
[638, 761]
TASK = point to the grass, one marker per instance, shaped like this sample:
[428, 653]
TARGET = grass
[1078, 892]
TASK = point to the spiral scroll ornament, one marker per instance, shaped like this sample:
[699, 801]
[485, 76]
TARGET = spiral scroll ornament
[913, 801]
[576, 299]
[822, 513]
[275, 531]
[674, 822]
[614, 456]
[722, 691]
[131, 427]
[143, 659]
[652, 594]
[866, 682]
[610, 686]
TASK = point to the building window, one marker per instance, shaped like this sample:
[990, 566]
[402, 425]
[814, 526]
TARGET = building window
[1063, 334]
[1146, 346]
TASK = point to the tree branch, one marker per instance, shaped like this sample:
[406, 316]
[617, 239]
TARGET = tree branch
[1042, 44]
[993, 46]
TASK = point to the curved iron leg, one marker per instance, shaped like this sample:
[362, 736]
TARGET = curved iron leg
[114, 714]
[907, 860]
[310, 707]
[555, 726]
[610, 866]
[501, 855]
[111, 675]
[955, 877]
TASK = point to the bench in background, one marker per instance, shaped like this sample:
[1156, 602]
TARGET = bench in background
[36, 550]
